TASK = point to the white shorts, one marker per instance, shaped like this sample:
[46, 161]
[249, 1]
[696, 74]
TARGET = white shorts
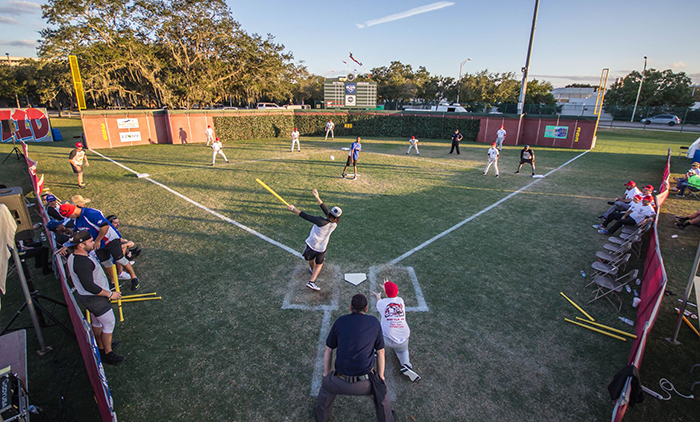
[107, 321]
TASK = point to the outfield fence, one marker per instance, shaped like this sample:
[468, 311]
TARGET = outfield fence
[81, 327]
[653, 287]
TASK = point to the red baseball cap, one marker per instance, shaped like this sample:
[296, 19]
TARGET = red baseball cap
[391, 289]
[630, 183]
[638, 197]
[648, 198]
[493, 144]
[217, 138]
[650, 187]
[67, 210]
[78, 145]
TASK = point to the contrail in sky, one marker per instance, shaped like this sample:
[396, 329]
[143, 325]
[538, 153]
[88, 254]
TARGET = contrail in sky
[407, 13]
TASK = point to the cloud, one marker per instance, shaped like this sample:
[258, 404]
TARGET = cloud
[16, 8]
[678, 65]
[411, 12]
[8, 21]
[18, 43]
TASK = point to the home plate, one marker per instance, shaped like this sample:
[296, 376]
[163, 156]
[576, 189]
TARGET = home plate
[538, 176]
[142, 175]
[355, 278]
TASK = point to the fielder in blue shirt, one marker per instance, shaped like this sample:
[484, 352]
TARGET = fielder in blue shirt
[354, 153]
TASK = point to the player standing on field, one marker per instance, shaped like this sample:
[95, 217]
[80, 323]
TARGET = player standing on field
[210, 135]
[76, 158]
[217, 148]
[316, 243]
[354, 153]
[493, 154]
[329, 128]
[500, 137]
[295, 138]
[414, 144]
[456, 139]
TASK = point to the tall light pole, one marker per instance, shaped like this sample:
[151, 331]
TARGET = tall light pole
[644, 72]
[526, 69]
[459, 81]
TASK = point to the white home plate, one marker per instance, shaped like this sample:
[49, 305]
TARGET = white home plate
[538, 176]
[355, 278]
[142, 175]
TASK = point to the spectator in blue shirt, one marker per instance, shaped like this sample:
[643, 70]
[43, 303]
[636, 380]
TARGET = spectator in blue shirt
[354, 153]
[107, 238]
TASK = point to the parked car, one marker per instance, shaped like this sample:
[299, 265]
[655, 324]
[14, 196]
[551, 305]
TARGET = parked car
[267, 105]
[663, 119]
[229, 108]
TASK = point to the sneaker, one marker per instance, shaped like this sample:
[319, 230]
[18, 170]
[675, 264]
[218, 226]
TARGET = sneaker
[497, 176]
[611, 202]
[134, 253]
[82, 186]
[408, 371]
[311, 285]
[114, 359]
[603, 231]
[484, 173]
[124, 276]
[132, 263]
[680, 225]
[598, 226]
[679, 195]
[342, 176]
[517, 172]
[135, 285]
[600, 217]
[227, 161]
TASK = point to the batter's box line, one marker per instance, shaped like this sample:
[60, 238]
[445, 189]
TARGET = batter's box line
[422, 304]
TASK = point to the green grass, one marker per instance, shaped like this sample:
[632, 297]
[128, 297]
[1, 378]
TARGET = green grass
[494, 345]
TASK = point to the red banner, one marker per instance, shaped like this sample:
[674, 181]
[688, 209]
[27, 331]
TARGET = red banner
[653, 287]
[32, 124]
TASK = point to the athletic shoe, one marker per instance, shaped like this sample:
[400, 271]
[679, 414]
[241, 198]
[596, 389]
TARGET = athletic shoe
[598, 226]
[408, 371]
[354, 177]
[342, 176]
[600, 217]
[124, 276]
[135, 283]
[311, 285]
[113, 358]
[134, 253]
[132, 263]
[82, 186]
[484, 173]
[497, 176]
[611, 202]
[517, 172]
[680, 195]
[681, 219]
[680, 225]
[603, 231]
[227, 161]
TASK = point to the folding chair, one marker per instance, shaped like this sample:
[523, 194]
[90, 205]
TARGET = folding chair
[694, 192]
[611, 268]
[609, 286]
[608, 256]
[636, 243]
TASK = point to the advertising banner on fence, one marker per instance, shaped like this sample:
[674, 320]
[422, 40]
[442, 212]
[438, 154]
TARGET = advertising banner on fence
[32, 124]
[559, 132]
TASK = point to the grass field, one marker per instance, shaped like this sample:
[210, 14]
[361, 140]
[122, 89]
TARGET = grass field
[492, 344]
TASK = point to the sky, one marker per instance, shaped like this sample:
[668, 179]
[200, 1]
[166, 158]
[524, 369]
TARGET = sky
[574, 39]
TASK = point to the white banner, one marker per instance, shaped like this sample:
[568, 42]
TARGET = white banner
[127, 123]
[130, 136]
[350, 100]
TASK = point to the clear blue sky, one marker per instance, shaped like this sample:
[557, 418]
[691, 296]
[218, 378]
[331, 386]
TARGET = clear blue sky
[574, 40]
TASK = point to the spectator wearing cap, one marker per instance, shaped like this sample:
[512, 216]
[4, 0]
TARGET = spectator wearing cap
[354, 337]
[493, 154]
[635, 215]
[622, 203]
[79, 201]
[217, 148]
[683, 181]
[413, 143]
[106, 237]
[527, 156]
[317, 242]
[392, 313]
[77, 159]
[210, 134]
[692, 182]
[61, 233]
[52, 206]
[92, 291]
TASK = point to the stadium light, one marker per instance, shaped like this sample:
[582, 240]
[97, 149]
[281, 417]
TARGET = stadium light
[459, 81]
[526, 69]
[644, 72]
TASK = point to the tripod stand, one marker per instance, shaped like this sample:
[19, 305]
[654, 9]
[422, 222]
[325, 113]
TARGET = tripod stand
[32, 304]
[15, 150]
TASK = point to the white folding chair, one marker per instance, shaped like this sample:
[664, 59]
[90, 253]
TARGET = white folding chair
[610, 286]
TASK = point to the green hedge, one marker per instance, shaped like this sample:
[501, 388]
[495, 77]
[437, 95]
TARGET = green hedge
[247, 126]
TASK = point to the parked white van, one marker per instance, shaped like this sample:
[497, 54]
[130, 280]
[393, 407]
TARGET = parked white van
[262, 106]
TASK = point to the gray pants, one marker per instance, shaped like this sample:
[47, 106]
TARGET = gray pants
[488, 166]
[499, 144]
[333, 386]
[618, 207]
[401, 350]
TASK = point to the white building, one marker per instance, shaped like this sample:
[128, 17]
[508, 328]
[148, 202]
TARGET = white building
[576, 101]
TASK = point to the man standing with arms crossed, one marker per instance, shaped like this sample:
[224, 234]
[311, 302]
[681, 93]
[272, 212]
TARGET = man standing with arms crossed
[354, 337]
[456, 139]
[354, 153]
[76, 158]
[500, 137]
[317, 242]
[92, 288]
[329, 128]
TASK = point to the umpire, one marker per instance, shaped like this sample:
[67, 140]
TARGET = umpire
[355, 336]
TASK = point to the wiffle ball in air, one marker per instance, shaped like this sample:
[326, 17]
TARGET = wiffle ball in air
[332, 157]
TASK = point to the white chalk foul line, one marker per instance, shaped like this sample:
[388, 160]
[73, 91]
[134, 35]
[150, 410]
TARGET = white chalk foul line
[209, 210]
[317, 377]
[485, 210]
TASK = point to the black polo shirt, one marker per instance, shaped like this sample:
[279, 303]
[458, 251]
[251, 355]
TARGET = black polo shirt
[356, 337]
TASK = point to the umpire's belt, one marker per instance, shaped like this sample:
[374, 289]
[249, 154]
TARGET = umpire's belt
[348, 378]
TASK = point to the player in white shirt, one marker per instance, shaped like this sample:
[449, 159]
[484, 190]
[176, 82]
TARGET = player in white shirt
[217, 148]
[413, 144]
[210, 135]
[635, 215]
[622, 203]
[500, 137]
[493, 154]
[329, 128]
[295, 139]
[392, 313]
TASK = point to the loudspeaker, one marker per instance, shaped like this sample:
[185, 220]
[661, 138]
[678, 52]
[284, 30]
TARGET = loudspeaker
[13, 198]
